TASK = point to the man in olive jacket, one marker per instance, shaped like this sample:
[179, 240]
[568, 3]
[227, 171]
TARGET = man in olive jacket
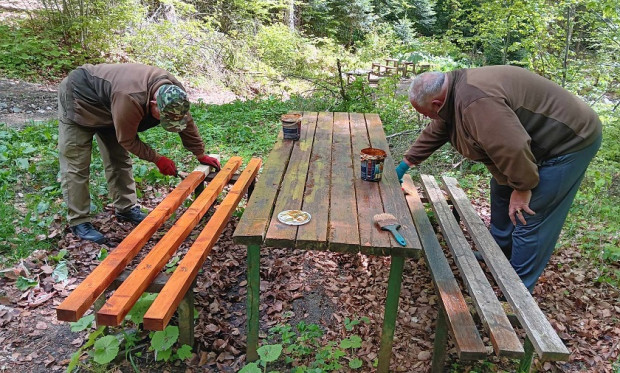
[113, 102]
[536, 139]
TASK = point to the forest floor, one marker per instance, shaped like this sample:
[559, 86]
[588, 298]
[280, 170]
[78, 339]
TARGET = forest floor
[318, 287]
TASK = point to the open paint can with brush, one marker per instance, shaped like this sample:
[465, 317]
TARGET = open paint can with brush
[291, 126]
[372, 160]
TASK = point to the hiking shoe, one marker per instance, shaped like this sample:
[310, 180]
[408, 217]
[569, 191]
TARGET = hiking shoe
[87, 232]
[133, 215]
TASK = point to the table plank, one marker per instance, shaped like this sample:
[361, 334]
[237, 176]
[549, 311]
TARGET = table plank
[367, 192]
[503, 337]
[292, 187]
[253, 224]
[313, 235]
[392, 195]
[547, 343]
[343, 224]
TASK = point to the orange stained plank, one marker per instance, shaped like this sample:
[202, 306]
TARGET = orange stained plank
[162, 309]
[80, 300]
[120, 303]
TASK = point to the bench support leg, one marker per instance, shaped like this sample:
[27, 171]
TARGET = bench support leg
[441, 339]
[252, 301]
[526, 360]
[186, 318]
[391, 312]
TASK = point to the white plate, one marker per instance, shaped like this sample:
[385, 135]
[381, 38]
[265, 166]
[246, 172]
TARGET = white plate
[294, 217]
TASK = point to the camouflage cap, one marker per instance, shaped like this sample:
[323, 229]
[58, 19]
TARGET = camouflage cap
[173, 107]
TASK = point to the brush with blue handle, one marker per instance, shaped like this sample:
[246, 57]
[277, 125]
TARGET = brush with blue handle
[388, 222]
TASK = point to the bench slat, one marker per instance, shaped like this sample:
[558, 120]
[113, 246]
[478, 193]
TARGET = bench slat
[82, 297]
[253, 224]
[547, 343]
[367, 193]
[164, 306]
[313, 235]
[292, 187]
[468, 343]
[392, 193]
[503, 336]
[120, 303]
[343, 224]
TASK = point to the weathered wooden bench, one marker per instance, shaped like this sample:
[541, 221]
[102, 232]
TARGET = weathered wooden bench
[175, 291]
[454, 313]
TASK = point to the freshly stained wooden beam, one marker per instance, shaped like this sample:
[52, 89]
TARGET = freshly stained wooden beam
[501, 333]
[80, 300]
[546, 341]
[120, 303]
[343, 224]
[469, 345]
[162, 309]
[313, 235]
[293, 185]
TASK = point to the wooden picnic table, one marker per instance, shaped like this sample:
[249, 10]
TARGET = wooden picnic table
[321, 174]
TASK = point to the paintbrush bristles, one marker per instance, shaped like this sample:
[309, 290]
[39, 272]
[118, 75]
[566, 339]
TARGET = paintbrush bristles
[385, 219]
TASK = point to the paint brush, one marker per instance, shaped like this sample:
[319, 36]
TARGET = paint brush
[387, 222]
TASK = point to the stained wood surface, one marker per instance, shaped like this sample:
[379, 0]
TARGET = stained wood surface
[502, 336]
[80, 299]
[256, 217]
[120, 303]
[292, 188]
[344, 233]
[547, 343]
[320, 174]
[164, 306]
[313, 235]
[466, 338]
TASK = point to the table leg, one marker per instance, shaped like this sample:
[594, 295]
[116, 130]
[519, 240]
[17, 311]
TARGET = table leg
[391, 312]
[252, 301]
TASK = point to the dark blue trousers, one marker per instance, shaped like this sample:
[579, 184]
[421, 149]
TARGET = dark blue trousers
[530, 246]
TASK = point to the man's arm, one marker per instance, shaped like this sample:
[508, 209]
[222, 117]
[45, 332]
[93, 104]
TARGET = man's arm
[433, 136]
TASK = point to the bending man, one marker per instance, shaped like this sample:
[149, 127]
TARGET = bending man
[535, 137]
[113, 102]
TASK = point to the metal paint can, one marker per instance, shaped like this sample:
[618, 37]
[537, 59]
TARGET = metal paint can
[372, 160]
[291, 126]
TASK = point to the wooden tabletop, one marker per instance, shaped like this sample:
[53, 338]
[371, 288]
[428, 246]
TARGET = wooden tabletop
[321, 174]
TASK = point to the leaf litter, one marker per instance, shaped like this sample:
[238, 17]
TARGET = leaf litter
[315, 286]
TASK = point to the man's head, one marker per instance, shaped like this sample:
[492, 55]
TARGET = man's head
[173, 107]
[427, 93]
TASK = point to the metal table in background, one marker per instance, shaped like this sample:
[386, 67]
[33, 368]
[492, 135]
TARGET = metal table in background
[321, 174]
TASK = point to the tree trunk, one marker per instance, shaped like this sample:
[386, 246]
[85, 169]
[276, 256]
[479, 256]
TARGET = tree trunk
[570, 12]
[289, 15]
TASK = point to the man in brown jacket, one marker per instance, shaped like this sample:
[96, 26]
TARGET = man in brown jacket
[113, 102]
[536, 139]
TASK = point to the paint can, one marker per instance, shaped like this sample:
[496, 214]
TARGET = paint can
[372, 163]
[291, 126]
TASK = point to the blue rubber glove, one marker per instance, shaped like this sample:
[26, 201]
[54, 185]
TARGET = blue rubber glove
[401, 170]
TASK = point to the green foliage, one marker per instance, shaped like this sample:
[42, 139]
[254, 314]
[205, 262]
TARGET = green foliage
[24, 283]
[302, 347]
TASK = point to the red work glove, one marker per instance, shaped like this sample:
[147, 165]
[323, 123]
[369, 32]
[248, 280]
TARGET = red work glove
[166, 166]
[210, 161]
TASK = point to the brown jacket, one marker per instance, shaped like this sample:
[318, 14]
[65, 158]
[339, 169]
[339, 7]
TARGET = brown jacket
[118, 95]
[511, 120]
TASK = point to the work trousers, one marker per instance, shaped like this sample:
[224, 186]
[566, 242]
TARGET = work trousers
[529, 247]
[75, 145]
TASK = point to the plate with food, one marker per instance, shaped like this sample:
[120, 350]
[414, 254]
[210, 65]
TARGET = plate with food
[294, 217]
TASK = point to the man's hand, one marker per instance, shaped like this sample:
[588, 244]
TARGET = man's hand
[519, 202]
[166, 166]
[401, 170]
[210, 161]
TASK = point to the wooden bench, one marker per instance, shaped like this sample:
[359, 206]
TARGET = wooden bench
[175, 291]
[350, 76]
[454, 313]
[381, 70]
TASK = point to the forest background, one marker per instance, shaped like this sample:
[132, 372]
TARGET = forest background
[281, 55]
